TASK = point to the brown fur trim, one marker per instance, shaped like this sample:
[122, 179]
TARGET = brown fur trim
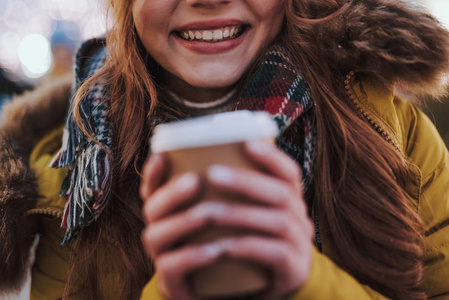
[28, 117]
[17, 195]
[26, 120]
[389, 40]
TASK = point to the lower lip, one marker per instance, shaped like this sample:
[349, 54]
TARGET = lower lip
[211, 48]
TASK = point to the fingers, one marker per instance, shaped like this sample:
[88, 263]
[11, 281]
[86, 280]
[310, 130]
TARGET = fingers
[173, 267]
[164, 234]
[265, 221]
[290, 265]
[177, 192]
[262, 250]
[274, 161]
[152, 175]
[258, 187]
[251, 184]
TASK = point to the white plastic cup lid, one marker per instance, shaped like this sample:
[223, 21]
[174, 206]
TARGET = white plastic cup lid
[223, 128]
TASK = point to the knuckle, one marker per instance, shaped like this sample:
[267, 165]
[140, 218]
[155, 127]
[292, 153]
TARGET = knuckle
[150, 239]
[147, 245]
[283, 195]
[163, 266]
[292, 193]
[290, 223]
[299, 186]
[283, 226]
[281, 256]
[147, 212]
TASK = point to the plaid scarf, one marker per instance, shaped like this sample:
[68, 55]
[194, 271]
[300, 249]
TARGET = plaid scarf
[275, 87]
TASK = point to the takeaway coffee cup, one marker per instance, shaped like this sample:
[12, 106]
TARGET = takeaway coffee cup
[195, 144]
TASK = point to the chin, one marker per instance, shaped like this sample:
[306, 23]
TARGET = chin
[215, 80]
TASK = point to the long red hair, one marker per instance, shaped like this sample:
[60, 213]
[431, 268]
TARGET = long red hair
[360, 197]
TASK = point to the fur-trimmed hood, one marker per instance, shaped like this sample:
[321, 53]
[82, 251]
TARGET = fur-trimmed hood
[394, 41]
[385, 39]
[24, 121]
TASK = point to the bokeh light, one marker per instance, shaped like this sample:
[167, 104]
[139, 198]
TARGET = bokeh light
[9, 43]
[35, 55]
[59, 22]
[17, 16]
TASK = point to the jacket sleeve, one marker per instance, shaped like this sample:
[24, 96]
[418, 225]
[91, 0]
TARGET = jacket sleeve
[328, 281]
[428, 153]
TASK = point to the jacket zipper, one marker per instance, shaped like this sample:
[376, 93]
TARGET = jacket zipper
[54, 212]
[348, 86]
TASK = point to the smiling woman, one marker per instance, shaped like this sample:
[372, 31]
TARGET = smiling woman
[351, 203]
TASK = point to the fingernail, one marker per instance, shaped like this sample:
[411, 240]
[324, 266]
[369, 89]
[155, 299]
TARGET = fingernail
[208, 210]
[186, 181]
[220, 173]
[258, 147]
[211, 250]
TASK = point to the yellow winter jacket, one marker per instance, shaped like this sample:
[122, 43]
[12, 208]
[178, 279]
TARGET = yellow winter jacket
[400, 122]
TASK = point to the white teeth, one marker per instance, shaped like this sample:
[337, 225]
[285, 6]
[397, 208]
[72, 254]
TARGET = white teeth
[226, 33]
[209, 35]
[218, 35]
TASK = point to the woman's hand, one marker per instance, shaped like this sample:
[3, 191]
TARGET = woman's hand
[285, 247]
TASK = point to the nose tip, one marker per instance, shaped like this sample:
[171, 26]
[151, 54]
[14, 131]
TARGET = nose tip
[207, 3]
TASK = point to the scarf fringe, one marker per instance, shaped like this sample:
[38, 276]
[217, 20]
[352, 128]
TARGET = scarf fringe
[87, 190]
[87, 185]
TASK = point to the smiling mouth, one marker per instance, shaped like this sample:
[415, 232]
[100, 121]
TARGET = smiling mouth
[213, 35]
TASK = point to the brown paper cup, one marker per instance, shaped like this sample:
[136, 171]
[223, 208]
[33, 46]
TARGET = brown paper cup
[217, 141]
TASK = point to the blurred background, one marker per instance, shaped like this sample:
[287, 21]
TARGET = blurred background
[30, 29]
[38, 38]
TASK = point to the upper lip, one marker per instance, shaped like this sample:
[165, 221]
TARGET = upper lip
[212, 24]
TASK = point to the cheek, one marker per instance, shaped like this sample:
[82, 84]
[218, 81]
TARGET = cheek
[270, 14]
[270, 9]
[138, 12]
[150, 16]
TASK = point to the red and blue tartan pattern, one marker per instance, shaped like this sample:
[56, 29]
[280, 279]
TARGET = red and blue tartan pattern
[279, 89]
